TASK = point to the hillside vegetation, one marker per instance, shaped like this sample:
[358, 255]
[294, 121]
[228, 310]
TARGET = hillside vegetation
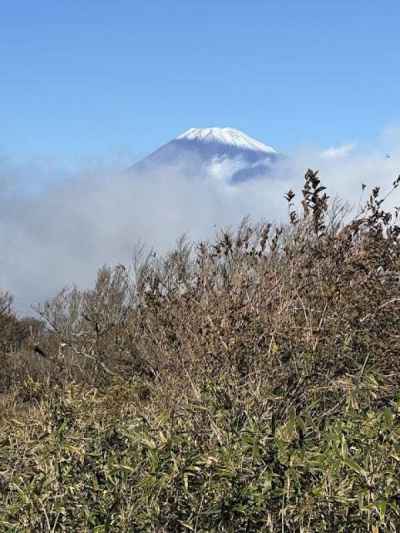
[245, 384]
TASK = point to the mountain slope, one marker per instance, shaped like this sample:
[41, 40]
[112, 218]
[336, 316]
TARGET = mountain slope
[217, 152]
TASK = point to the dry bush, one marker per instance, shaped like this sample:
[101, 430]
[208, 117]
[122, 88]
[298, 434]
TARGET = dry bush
[249, 384]
[309, 301]
[7, 320]
[17, 359]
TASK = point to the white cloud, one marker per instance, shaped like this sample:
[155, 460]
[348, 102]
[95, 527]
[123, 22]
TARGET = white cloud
[338, 152]
[62, 232]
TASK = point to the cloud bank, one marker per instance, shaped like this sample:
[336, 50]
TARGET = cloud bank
[57, 228]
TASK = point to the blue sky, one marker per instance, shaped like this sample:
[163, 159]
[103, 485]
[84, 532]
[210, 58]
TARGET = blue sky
[80, 78]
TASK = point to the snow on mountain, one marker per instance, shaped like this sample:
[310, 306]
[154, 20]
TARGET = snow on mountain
[228, 136]
[224, 153]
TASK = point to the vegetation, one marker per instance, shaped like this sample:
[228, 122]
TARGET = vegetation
[249, 384]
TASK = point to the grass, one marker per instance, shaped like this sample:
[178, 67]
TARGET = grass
[249, 384]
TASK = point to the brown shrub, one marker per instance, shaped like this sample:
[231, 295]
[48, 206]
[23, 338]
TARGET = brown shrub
[303, 303]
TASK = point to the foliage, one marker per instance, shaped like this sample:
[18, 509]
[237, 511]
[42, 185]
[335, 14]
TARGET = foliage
[247, 384]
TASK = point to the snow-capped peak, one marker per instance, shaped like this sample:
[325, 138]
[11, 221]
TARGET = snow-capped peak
[228, 136]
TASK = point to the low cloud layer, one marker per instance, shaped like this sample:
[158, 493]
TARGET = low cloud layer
[58, 228]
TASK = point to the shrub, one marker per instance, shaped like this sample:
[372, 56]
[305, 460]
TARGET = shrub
[245, 384]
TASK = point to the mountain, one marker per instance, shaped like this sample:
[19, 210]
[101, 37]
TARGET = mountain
[223, 153]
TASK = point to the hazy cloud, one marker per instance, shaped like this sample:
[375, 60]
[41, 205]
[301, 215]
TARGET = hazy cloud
[57, 227]
[338, 152]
